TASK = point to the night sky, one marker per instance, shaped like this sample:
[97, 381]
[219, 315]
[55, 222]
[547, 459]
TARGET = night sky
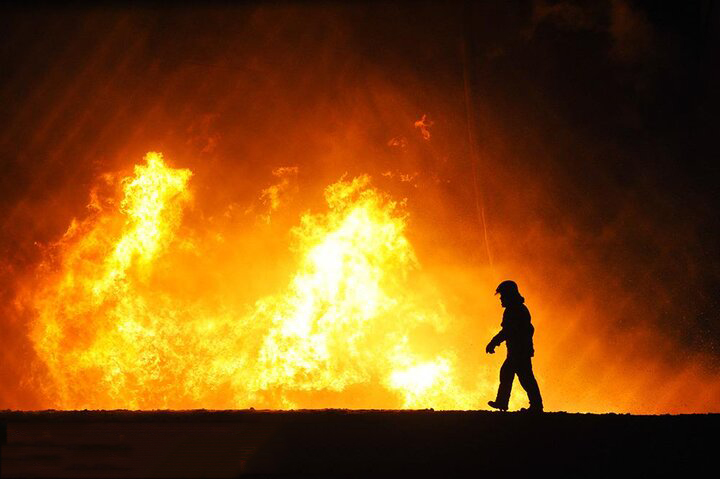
[594, 124]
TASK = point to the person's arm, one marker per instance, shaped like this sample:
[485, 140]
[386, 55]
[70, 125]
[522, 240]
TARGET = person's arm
[496, 341]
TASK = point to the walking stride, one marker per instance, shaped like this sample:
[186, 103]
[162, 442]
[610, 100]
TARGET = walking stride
[517, 332]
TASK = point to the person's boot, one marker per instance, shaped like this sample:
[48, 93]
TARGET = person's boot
[533, 409]
[497, 405]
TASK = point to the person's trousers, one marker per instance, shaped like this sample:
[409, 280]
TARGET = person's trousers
[522, 366]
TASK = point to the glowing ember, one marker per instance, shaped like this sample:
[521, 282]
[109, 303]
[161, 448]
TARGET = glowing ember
[113, 335]
[424, 125]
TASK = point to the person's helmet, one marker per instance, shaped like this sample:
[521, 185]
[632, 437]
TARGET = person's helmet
[507, 288]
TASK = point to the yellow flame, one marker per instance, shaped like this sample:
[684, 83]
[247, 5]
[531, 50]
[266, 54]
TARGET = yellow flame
[152, 203]
[110, 336]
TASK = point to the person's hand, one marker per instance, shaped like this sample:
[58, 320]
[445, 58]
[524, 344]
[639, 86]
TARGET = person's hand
[490, 348]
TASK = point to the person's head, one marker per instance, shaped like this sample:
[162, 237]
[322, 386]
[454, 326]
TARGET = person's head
[509, 293]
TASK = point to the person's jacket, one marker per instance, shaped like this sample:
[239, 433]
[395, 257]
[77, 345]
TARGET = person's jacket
[517, 331]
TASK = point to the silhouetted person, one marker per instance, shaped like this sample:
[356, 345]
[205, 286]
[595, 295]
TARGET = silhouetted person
[517, 332]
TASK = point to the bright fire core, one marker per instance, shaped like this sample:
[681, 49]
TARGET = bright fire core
[113, 330]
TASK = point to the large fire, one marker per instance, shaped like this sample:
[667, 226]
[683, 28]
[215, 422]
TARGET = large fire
[114, 332]
[244, 270]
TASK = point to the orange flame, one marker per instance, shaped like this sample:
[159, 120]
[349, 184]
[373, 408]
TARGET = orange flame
[112, 336]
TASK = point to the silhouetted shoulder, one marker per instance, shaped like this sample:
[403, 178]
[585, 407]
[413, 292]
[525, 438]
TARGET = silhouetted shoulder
[517, 313]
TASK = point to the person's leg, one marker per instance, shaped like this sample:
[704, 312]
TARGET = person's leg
[507, 376]
[529, 383]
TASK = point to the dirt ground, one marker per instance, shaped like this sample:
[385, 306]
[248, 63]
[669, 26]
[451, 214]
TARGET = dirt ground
[349, 442]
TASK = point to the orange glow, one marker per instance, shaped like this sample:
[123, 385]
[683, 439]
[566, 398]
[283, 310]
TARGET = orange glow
[337, 201]
[110, 338]
[357, 321]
